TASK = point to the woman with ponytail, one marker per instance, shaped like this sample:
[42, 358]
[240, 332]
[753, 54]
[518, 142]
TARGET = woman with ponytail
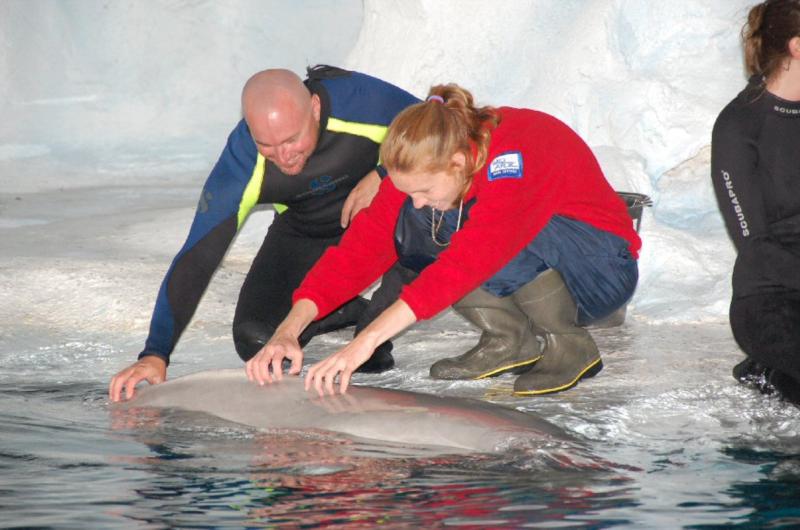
[503, 213]
[755, 168]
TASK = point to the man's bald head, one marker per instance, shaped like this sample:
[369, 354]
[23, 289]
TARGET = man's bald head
[271, 90]
[283, 117]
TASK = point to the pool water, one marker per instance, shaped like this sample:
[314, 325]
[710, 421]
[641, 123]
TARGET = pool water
[711, 456]
[665, 438]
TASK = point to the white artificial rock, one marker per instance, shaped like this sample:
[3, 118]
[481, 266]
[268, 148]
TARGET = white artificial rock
[642, 82]
[132, 94]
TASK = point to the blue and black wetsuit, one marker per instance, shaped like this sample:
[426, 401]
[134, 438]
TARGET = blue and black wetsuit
[356, 110]
[755, 168]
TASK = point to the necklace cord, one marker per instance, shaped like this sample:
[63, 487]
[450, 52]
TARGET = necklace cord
[435, 226]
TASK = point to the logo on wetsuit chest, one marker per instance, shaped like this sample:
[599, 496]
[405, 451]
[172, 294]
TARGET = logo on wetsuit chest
[322, 185]
[506, 165]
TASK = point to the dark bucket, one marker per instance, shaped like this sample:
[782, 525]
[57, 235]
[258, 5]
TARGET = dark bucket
[635, 203]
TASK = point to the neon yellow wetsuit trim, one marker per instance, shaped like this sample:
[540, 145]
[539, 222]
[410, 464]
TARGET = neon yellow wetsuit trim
[251, 191]
[376, 133]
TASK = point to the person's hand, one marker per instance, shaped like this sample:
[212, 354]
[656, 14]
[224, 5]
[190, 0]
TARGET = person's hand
[151, 368]
[360, 197]
[342, 363]
[266, 366]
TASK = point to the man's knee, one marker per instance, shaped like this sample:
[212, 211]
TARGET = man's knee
[250, 337]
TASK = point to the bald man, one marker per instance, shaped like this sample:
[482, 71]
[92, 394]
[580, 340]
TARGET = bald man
[309, 148]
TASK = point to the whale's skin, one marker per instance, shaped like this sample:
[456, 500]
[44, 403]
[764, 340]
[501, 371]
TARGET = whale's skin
[389, 415]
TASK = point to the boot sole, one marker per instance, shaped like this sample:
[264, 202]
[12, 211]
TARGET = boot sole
[590, 371]
[377, 365]
[509, 368]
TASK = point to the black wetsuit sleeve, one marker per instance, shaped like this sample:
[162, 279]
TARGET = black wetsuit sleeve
[738, 188]
[225, 201]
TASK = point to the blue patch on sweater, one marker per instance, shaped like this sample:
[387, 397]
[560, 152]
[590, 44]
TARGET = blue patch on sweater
[506, 165]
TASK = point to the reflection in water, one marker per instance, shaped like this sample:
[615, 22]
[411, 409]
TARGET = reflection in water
[308, 479]
[773, 501]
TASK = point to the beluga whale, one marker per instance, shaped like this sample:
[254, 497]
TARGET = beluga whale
[452, 424]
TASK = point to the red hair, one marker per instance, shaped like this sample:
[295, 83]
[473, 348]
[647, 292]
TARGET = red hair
[425, 136]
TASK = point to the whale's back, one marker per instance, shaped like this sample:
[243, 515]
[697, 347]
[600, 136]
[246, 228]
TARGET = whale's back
[367, 412]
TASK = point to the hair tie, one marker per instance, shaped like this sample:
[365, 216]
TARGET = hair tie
[440, 99]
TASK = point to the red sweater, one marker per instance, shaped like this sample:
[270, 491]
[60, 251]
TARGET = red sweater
[559, 176]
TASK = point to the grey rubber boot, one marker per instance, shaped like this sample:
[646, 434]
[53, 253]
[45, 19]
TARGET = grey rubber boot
[506, 344]
[570, 354]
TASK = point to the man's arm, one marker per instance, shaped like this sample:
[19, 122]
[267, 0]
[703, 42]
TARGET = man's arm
[364, 106]
[222, 208]
[360, 197]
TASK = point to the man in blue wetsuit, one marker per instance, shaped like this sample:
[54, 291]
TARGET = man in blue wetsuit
[311, 149]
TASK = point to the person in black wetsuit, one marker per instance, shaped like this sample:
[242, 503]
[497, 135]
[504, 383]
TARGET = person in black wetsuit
[310, 148]
[755, 168]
